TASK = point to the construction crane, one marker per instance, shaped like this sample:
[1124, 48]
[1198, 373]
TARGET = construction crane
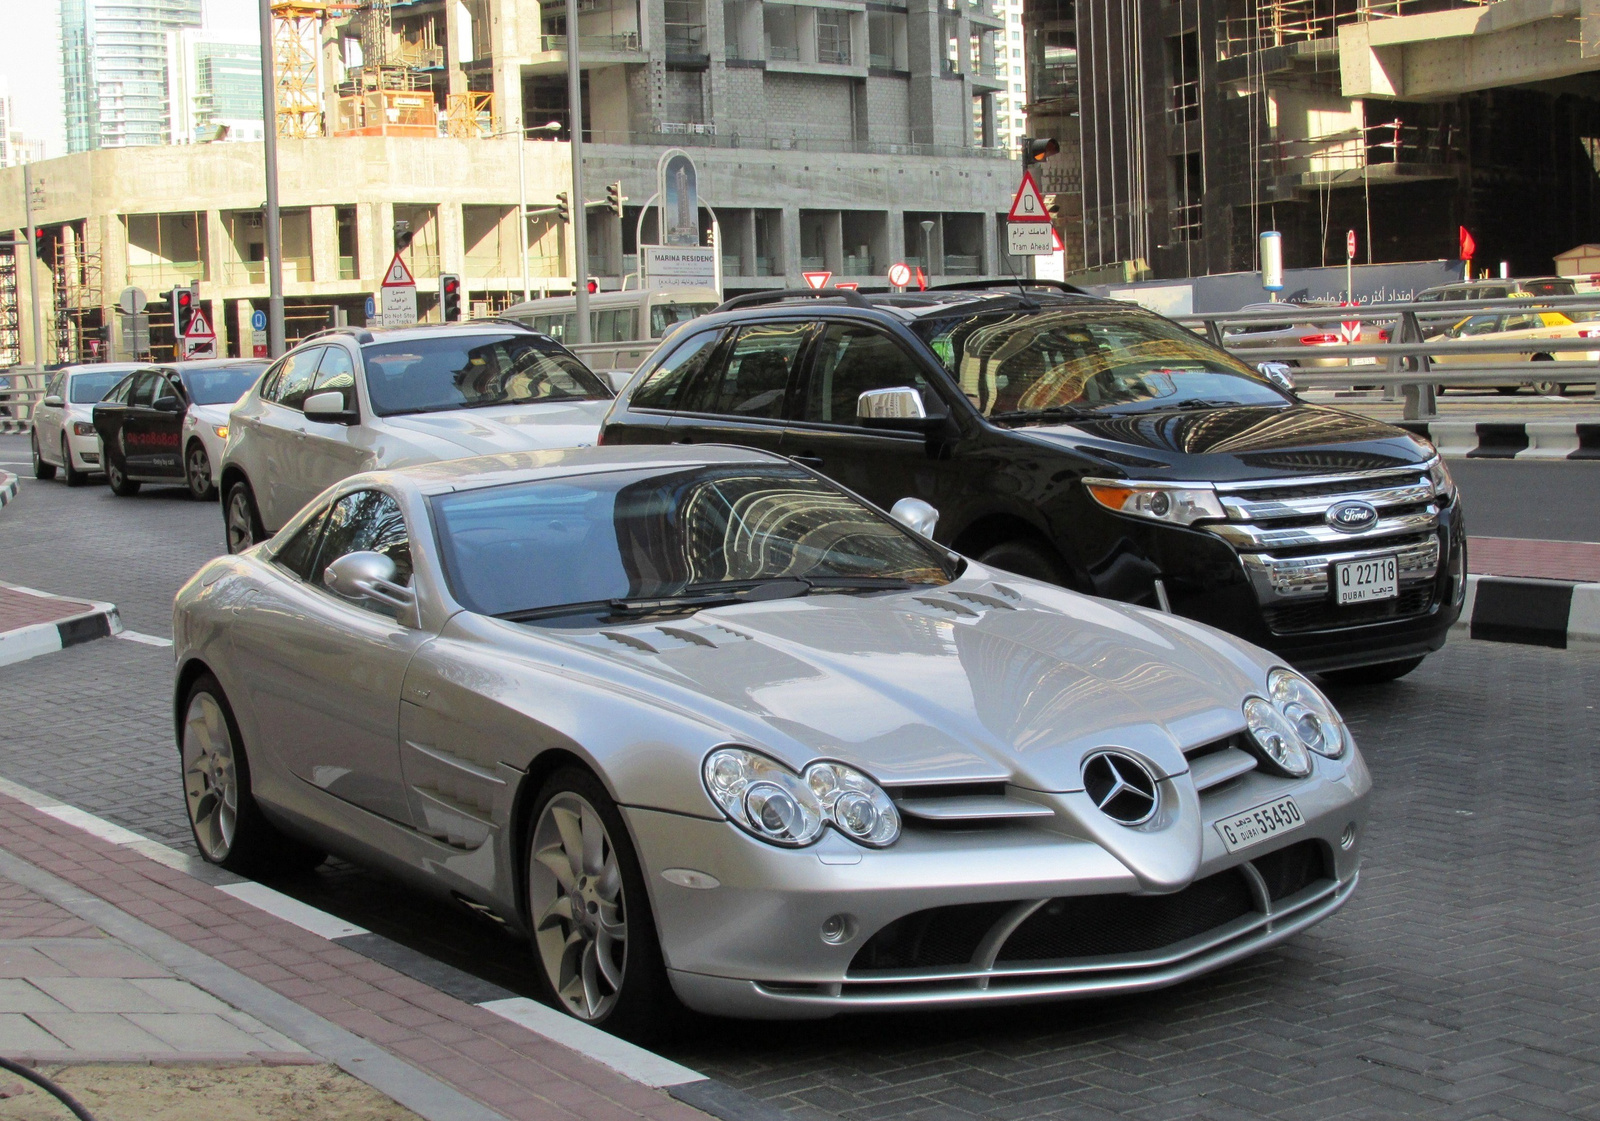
[296, 46]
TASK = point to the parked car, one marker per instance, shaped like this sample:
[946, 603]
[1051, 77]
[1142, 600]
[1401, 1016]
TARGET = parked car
[701, 724]
[146, 424]
[63, 435]
[352, 399]
[1093, 444]
[1320, 343]
[1498, 289]
[1531, 326]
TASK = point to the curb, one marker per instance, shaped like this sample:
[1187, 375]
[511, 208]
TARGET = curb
[100, 621]
[1532, 439]
[11, 426]
[1554, 613]
[8, 487]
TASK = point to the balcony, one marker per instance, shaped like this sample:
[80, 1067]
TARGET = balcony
[164, 274]
[837, 54]
[956, 264]
[296, 270]
[783, 54]
[858, 266]
[593, 44]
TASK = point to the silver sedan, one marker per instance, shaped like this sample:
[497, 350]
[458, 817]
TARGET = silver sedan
[706, 727]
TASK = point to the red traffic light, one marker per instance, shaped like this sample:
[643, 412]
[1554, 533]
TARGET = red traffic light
[452, 286]
[184, 299]
[594, 286]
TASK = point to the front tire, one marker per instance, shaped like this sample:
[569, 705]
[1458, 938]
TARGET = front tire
[593, 933]
[117, 478]
[197, 468]
[243, 522]
[75, 478]
[42, 471]
[1380, 674]
[1025, 559]
[228, 826]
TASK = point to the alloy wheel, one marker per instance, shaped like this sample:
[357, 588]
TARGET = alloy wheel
[210, 778]
[199, 465]
[575, 894]
[241, 525]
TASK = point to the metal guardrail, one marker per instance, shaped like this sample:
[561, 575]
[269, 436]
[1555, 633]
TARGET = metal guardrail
[20, 391]
[1407, 358]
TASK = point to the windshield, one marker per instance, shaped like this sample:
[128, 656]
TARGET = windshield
[426, 375]
[664, 317]
[222, 385]
[87, 388]
[644, 534]
[1012, 365]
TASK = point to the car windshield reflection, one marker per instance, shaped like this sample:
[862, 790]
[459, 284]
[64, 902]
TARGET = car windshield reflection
[427, 375]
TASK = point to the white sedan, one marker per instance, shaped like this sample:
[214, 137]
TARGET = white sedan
[64, 438]
[214, 389]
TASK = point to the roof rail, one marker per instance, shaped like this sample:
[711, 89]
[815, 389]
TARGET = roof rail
[361, 334]
[1012, 283]
[509, 321]
[849, 296]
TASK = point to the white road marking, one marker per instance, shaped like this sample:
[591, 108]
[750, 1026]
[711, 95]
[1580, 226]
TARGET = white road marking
[618, 1054]
[146, 639]
[89, 823]
[291, 910]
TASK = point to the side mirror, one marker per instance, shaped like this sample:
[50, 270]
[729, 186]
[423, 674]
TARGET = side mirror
[916, 515]
[1278, 373]
[54, 401]
[167, 404]
[900, 407]
[328, 408]
[368, 575]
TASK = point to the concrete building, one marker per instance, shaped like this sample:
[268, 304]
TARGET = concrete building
[213, 88]
[1204, 122]
[114, 69]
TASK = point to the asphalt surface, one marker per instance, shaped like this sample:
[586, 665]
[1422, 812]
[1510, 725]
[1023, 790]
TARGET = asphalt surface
[1461, 981]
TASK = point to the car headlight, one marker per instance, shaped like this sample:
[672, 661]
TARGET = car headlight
[1314, 719]
[771, 802]
[1275, 736]
[1173, 504]
[221, 430]
[82, 428]
[1443, 485]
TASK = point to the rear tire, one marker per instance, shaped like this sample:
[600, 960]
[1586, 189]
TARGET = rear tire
[1380, 674]
[1508, 390]
[197, 468]
[228, 826]
[1025, 558]
[241, 520]
[42, 471]
[75, 478]
[117, 478]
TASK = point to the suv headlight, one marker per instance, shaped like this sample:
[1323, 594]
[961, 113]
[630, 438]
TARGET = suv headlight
[1443, 485]
[771, 802]
[1315, 721]
[1180, 504]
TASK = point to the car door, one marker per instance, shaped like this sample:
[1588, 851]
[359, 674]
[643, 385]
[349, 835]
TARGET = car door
[325, 672]
[47, 418]
[130, 421]
[882, 465]
[331, 451]
[645, 416]
[160, 428]
[107, 412]
[282, 486]
[742, 397]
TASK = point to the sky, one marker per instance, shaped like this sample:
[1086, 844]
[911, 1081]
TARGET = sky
[31, 68]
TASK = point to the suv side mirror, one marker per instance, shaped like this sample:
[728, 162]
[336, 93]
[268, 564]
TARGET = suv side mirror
[328, 408]
[368, 575]
[1278, 373]
[916, 515]
[899, 408]
[167, 404]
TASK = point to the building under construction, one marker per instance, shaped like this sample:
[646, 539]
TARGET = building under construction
[1200, 123]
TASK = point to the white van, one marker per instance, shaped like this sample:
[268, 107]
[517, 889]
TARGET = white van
[624, 326]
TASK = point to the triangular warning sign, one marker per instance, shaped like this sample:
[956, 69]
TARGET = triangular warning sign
[200, 327]
[1055, 240]
[398, 275]
[817, 280]
[848, 285]
[1028, 206]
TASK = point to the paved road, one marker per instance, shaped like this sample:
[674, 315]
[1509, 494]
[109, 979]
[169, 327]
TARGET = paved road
[1461, 982]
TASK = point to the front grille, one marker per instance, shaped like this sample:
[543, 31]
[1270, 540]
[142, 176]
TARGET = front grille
[939, 936]
[1097, 925]
[1323, 614]
[1294, 868]
[1328, 488]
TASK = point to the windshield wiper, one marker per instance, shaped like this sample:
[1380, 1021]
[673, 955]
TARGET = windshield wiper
[707, 595]
[1072, 411]
[1197, 403]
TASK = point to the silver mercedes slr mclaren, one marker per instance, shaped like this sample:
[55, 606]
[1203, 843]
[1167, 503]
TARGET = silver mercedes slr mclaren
[704, 726]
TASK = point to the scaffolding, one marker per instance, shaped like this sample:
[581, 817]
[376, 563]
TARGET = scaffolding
[1283, 23]
[10, 308]
[75, 273]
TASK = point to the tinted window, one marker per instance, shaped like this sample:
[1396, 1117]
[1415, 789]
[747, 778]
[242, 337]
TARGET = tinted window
[144, 389]
[367, 520]
[1523, 322]
[1475, 325]
[616, 325]
[337, 373]
[301, 550]
[273, 382]
[297, 377]
[664, 317]
[119, 393]
[221, 385]
[660, 389]
[751, 381]
[1548, 287]
[430, 374]
[645, 533]
[87, 388]
[168, 385]
[851, 359]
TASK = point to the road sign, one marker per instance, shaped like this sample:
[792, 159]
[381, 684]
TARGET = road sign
[678, 266]
[900, 275]
[847, 285]
[372, 308]
[136, 336]
[1028, 206]
[1029, 239]
[1350, 244]
[132, 300]
[258, 320]
[201, 341]
[1054, 265]
[817, 280]
[1349, 329]
[399, 295]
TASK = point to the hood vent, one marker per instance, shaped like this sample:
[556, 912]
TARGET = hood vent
[1220, 761]
[968, 803]
[671, 636]
[971, 603]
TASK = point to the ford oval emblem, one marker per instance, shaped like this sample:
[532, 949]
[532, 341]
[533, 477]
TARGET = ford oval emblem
[1352, 515]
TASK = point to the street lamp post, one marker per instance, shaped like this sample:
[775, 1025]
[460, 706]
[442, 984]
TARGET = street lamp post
[580, 210]
[927, 244]
[269, 133]
[522, 193]
[33, 269]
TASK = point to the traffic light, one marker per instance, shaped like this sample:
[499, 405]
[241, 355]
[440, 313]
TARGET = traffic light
[183, 304]
[450, 298]
[402, 235]
[614, 198]
[1035, 150]
[563, 211]
[593, 285]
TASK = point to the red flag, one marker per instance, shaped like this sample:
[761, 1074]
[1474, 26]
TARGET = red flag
[922, 281]
[1468, 247]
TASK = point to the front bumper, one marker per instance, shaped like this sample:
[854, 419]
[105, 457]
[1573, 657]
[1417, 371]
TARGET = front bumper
[753, 946]
[85, 452]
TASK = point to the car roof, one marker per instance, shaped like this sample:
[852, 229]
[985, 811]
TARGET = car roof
[519, 467]
[467, 329]
[203, 364]
[103, 368]
[909, 307]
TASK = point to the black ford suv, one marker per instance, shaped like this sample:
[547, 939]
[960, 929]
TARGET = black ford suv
[1091, 443]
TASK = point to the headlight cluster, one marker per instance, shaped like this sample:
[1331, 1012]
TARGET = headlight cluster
[771, 802]
[1176, 504]
[1443, 485]
[82, 428]
[1295, 720]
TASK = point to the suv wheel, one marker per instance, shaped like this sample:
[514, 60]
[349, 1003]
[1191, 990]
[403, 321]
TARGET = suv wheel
[1025, 559]
[243, 521]
[41, 470]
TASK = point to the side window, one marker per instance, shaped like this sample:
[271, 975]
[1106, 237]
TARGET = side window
[1480, 325]
[852, 359]
[57, 386]
[660, 389]
[119, 392]
[144, 388]
[755, 377]
[298, 375]
[363, 521]
[1521, 322]
[167, 386]
[337, 372]
[272, 380]
[301, 550]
